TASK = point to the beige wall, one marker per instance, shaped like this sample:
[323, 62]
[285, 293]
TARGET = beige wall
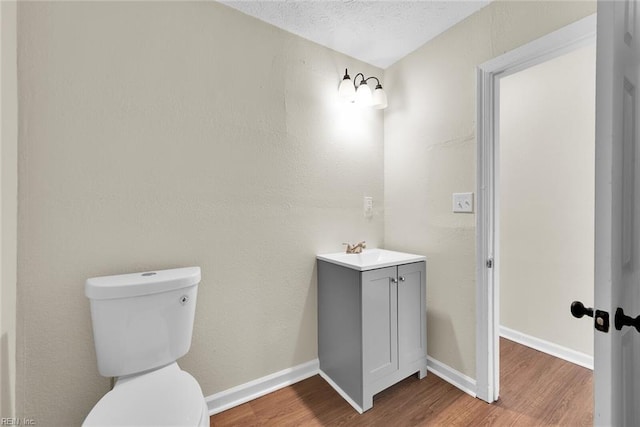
[157, 135]
[547, 143]
[430, 153]
[8, 205]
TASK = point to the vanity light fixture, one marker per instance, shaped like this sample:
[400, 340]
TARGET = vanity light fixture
[360, 93]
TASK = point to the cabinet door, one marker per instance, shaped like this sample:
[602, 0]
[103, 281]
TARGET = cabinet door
[379, 323]
[412, 317]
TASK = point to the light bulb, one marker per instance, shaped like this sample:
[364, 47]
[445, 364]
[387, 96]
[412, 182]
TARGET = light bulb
[346, 91]
[379, 98]
[363, 95]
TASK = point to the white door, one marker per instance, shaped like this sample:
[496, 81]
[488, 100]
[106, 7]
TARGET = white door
[617, 220]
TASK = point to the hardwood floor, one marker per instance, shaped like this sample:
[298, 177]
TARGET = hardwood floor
[536, 389]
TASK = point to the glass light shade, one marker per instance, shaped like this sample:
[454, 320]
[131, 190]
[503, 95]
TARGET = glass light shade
[346, 91]
[363, 95]
[379, 98]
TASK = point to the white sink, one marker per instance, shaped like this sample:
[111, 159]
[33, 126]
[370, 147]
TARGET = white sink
[370, 259]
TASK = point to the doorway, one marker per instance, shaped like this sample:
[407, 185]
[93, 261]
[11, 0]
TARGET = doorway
[546, 204]
[574, 37]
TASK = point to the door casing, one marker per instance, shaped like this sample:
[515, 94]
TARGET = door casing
[566, 39]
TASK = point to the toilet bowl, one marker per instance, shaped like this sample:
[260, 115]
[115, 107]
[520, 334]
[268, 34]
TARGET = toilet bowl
[142, 323]
[167, 396]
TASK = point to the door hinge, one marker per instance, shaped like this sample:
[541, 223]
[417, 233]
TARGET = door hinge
[490, 263]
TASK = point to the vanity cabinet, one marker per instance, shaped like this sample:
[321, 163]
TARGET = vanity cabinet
[371, 327]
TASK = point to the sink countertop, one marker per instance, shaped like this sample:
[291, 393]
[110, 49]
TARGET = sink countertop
[370, 259]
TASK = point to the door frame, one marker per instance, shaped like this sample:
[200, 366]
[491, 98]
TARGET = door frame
[552, 45]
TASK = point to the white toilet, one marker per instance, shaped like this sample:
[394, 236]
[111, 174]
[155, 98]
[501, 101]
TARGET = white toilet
[142, 323]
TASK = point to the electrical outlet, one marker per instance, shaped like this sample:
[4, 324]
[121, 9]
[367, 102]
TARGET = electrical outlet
[368, 207]
[463, 202]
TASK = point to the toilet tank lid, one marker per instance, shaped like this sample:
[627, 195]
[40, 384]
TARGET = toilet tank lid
[144, 283]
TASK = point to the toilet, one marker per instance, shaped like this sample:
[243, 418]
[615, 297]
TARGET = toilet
[142, 324]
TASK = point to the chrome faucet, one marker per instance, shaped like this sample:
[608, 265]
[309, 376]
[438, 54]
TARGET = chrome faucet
[355, 249]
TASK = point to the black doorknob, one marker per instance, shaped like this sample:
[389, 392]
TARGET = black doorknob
[622, 319]
[600, 320]
[578, 310]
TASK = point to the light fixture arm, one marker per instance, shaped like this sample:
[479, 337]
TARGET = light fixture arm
[362, 79]
[377, 81]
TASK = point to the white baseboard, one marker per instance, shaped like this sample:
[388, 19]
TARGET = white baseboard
[253, 389]
[450, 375]
[556, 350]
[341, 392]
[244, 393]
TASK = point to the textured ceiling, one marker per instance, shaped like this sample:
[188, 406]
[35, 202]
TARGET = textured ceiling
[376, 32]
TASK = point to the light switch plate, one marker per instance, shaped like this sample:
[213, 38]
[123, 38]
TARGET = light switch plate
[463, 202]
[368, 207]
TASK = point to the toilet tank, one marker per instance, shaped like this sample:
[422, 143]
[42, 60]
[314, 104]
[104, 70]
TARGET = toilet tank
[142, 321]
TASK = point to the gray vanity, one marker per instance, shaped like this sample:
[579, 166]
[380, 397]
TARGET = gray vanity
[371, 321]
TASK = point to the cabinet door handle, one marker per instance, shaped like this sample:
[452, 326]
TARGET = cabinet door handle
[393, 280]
[401, 278]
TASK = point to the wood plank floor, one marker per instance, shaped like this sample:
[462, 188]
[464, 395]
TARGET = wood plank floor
[536, 389]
